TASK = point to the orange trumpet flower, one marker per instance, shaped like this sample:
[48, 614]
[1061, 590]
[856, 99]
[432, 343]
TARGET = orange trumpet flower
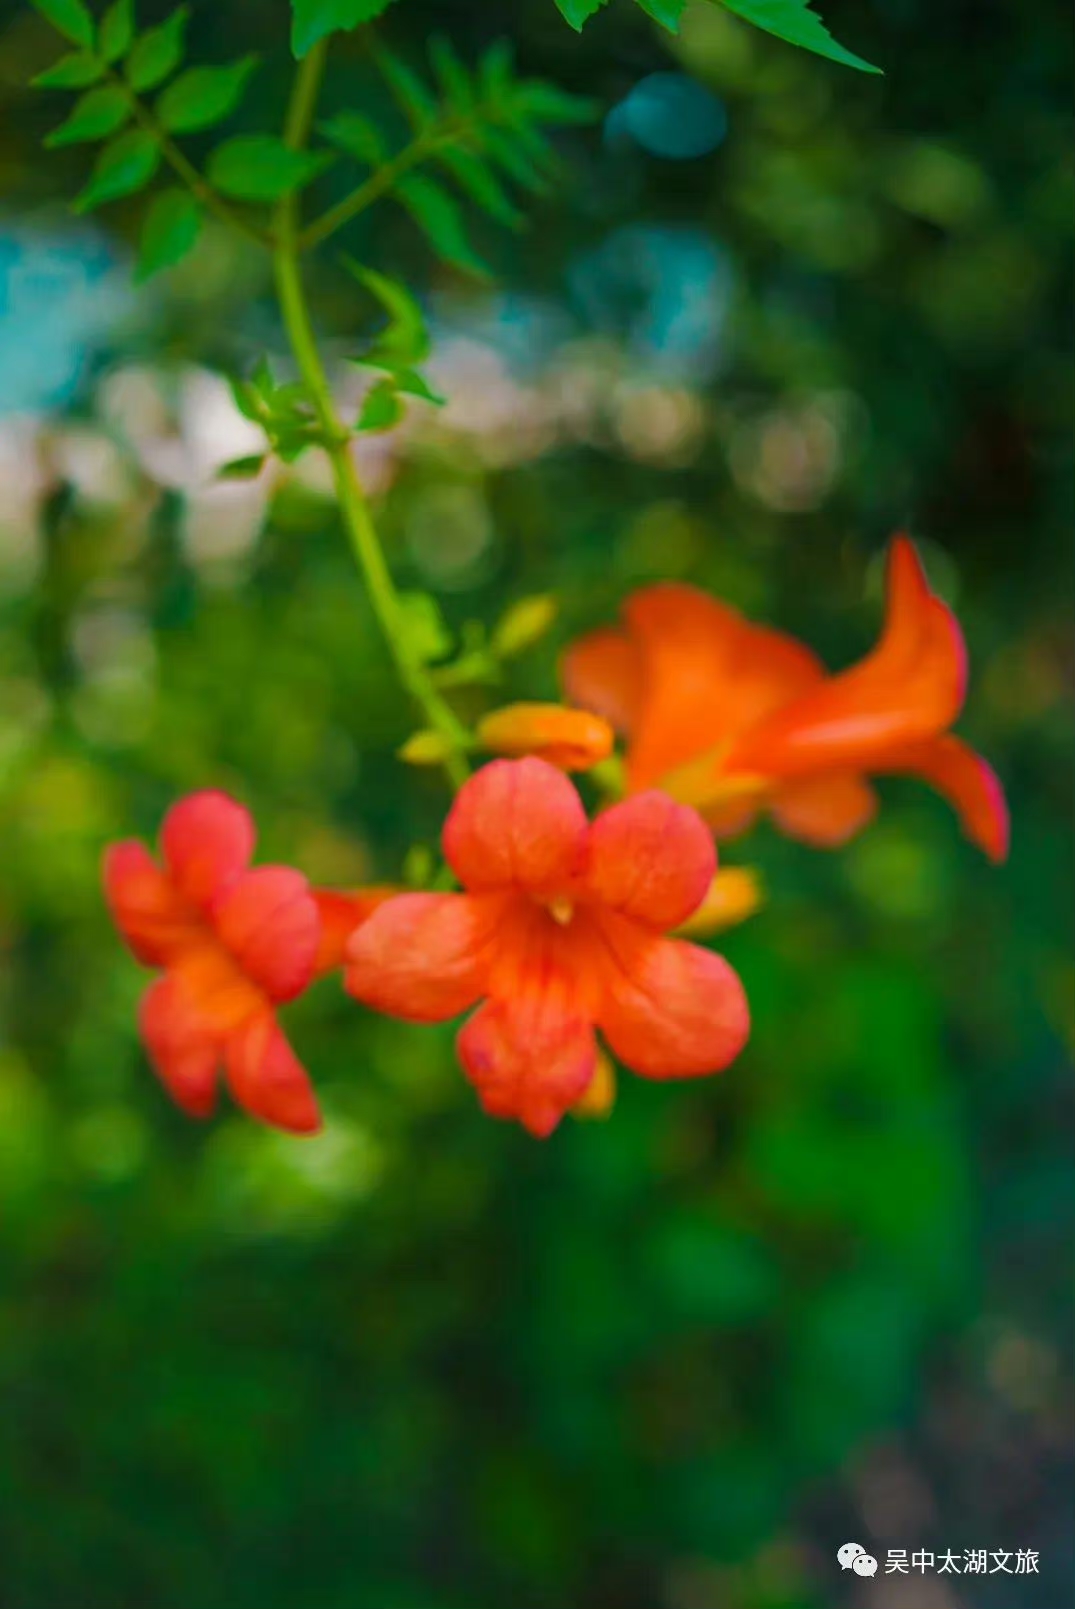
[736, 718]
[560, 931]
[233, 943]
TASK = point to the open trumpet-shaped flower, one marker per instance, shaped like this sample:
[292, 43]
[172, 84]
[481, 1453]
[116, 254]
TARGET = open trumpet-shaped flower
[232, 943]
[735, 718]
[561, 930]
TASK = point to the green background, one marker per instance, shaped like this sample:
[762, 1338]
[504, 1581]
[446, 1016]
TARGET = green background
[675, 1360]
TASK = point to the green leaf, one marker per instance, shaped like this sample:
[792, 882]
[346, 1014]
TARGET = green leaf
[71, 72]
[117, 30]
[481, 185]
[437, 214]
[68, 17]
[316, 19]
[124, 166]
[579, 11]
[173, 224]
[406, 341]
[243, 468]
[203, 96]
[425, 628]
[94, 117]
[452, 76]
[412, 384]
[793, 21]
[666, 12]
[412, 96]
[381, 407]
[358, 136]
[548, 104]
[257, 167]
[158, 52]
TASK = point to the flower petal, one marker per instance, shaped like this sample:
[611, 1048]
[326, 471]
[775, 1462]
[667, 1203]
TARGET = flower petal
[652, 859]
[602, 672]
[970, 785]
[735, 893]
[528, 1058]
[573, 740]
[342, 913]
[706, 674]
[424, 957]
[671, 1009]
[151, 914]
[269, 922]
[267, 1078]
[184, 1055]
[909, 688]
[516, 824]
[207, 839]
[825, 811]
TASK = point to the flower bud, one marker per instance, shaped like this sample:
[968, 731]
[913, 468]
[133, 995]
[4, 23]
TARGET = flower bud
[733, 895]
[600, 1096]
[574, 740]
[426, 748]
[524, 624]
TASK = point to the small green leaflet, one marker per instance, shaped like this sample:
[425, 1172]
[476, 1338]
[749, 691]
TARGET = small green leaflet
[124, 166]
[666, 12]
[381, 407]
[257, 167]
[173, 224]
[68, 17]
[579, 11]
[203, 96]
[71, 72]
[117, 30]
[404, 341]
[426, 630]
[435, 211]
[358, 136]
[793, 21]
[158, 52]
[315, 19]
[94, 117]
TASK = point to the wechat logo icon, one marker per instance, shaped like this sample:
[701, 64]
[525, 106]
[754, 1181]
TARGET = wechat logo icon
[853, 1557]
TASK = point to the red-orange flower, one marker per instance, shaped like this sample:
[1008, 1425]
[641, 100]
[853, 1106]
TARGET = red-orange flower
[735, 718]
[232, 943]
[561, 930]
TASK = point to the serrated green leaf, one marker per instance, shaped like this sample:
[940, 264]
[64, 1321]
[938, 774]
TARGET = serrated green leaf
[315, 19]
[94, 117]
[793, 21]
[578, 11]
[381, 407]
[496, 70]
[158, 52]
[257, 167]
[117, 30]
[358, 136]
[124, 166]
[666, 12]
[173, 224]
[203, 96]
[434, 210]
[243, 468]
[68, 17]
[411, 95]
[508, 152]
[473, 175]
[428, 636]
[70, 72]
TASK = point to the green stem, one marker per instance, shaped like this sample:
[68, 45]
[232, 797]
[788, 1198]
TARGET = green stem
[354, 508]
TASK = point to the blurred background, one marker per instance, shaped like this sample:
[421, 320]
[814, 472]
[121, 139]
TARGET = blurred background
[778, 310]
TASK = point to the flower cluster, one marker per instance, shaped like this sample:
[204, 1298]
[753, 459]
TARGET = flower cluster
[562, 929]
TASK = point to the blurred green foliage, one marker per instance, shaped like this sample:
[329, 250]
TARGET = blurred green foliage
[424, 1362]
